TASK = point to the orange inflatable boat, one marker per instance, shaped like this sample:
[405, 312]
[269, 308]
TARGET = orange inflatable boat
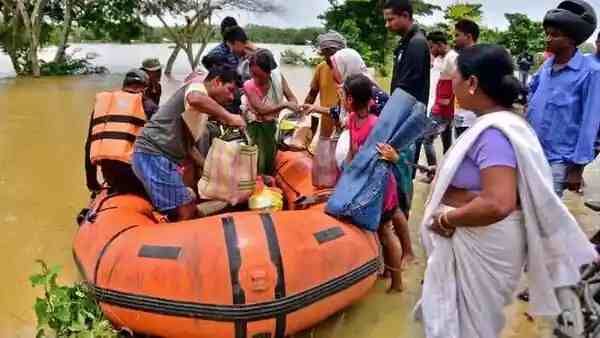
[245, 274]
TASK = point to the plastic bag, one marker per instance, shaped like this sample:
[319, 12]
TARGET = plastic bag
[229, 173]
[342, 148]
[325, 170]
[266, 199]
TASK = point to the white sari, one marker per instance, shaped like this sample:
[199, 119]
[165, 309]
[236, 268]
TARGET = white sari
[473, 275]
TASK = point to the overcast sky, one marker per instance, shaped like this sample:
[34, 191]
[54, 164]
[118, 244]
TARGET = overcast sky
[303, 13]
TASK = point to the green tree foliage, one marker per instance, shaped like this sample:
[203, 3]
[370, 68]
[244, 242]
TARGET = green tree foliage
[290, 36]
[523, 34]
[490, 35]
[361, 22]
[110, 20]
[455, 12]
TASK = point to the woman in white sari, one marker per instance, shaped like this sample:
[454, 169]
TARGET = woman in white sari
[491, 211]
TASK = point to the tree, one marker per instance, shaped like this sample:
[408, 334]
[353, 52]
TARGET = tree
[66, 31]
[489, 35]
[523, 34]
[457, 11]
[194, 22]
[112, 20]
[32, 22]
[12, 36]
[361, 22]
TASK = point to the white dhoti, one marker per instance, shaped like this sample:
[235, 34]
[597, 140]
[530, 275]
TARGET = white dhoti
[486, 264]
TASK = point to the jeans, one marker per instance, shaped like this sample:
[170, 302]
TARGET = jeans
[446, 134]
[523, 77]
[559, 177]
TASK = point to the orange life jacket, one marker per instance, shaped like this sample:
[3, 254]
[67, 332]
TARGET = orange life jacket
[118, 119]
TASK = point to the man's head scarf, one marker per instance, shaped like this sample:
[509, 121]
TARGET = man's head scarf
[332, 41]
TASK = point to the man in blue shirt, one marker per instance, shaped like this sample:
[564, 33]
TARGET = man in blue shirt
[595, 57]
[564, 100]
[230, 52]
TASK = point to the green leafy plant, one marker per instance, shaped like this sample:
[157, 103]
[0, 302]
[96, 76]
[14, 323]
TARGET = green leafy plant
[67, 311]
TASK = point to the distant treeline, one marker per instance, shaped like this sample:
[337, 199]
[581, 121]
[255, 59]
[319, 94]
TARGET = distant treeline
[256, 33]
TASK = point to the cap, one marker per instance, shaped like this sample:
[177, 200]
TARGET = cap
[151, 65]
[136, 76]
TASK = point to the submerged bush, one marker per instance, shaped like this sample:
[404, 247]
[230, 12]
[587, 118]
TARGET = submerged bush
[291, 57]
[71, 66]
[68, 311]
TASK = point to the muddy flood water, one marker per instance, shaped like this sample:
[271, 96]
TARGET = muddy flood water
[43, 124]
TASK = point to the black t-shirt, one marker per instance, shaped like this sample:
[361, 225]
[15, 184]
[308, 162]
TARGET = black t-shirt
[412, 65]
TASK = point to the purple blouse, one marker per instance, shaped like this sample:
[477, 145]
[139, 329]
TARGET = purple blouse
[490, 149]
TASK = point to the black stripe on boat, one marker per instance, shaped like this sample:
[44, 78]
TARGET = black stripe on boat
[329, 235]
[275, 253]
[101, 255]
[79, 266]
[159, 252]
[235, 262]
[119, 119]
[243, 312]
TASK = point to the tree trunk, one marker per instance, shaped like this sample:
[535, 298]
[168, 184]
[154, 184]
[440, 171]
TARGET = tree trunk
[62, 48]
[171, 61]
[32, 28]
[14, 58]
[33, 56]
[199, 54]
[189, 52]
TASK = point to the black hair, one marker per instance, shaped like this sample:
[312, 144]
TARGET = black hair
[226, 74]
[264, 59]
[236, 33]
[360, 88]
[598, 37]
[494, 68]
[467, 26]
[227, 23]
[399, 7]
[438, 37]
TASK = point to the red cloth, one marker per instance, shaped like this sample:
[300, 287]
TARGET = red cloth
[443, 91]
[358, 136]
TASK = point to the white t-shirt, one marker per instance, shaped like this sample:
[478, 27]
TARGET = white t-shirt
[448, 65]
[462, 118]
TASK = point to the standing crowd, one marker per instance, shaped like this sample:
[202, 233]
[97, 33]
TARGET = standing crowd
[495, 209]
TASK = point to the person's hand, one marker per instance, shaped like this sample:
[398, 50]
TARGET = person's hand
[388, 153]
[236, 121]
[441, 225]
[431, 171]
[292, 106]
[307, 108]
[574, 180]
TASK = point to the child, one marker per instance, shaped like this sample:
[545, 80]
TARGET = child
[356, 98]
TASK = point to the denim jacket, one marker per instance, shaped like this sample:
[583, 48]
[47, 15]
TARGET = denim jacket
[359, 192]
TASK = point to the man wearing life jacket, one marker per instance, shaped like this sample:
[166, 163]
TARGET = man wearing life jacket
[117, 119]
[166, 141]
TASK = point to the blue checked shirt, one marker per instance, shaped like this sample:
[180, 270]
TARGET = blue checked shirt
[221, 55]
[564, 110]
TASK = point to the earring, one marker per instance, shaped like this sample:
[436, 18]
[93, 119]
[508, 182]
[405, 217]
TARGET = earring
[472, 92]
